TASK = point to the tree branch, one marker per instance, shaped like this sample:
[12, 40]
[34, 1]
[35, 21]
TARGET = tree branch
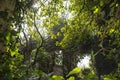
[37, 50]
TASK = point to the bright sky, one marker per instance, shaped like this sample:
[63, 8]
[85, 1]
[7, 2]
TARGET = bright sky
[84, 62]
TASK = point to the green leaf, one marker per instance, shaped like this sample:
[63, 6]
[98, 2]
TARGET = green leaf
[71, 78]
[107, 79]
[59, 34]
[53, 36]
[97, 10]
[55, 77]
[74, 71]
[117, 5]
[7, 36]
[111, 31]
[51, 24]
[13, 53]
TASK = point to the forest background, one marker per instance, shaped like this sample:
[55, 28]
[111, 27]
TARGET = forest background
[45, 39]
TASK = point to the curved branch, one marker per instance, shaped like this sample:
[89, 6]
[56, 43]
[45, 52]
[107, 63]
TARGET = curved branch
[37, 50]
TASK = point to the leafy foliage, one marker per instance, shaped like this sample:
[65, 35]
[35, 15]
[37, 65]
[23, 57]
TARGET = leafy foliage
[38, 35]
[74, 71]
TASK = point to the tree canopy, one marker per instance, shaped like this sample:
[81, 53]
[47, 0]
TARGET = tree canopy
[46, 39]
